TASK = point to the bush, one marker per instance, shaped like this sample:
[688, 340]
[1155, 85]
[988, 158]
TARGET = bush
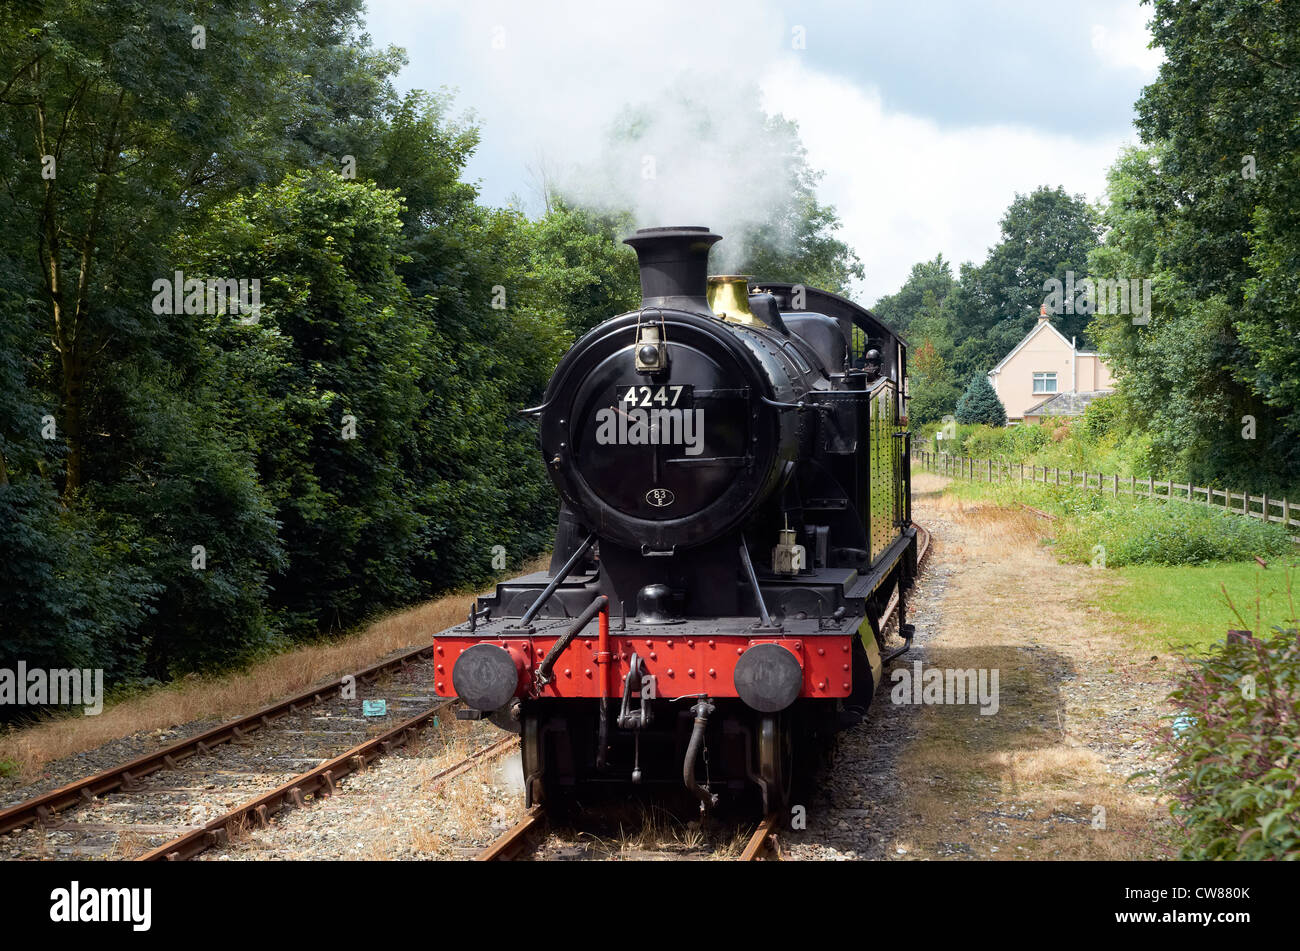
[979, 404]
[1163, 533]
[1137, 532]
[1102, 417]
[1236, 751]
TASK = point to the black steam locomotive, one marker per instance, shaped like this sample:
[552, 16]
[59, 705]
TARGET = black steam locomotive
[735, 485]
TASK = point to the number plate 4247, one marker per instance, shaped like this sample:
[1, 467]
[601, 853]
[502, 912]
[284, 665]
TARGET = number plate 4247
[668, 396]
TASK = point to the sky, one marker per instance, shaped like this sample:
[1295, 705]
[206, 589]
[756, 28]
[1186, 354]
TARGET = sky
[926, 117]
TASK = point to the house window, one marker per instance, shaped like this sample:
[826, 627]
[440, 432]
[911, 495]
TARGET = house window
[1044, 382]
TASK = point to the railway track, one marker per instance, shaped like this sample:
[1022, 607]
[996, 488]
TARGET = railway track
[763, 844]
[319, 781]
[177, 801]
[513, 841]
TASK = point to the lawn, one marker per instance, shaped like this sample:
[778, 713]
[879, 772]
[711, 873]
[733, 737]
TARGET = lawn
[1183, 607]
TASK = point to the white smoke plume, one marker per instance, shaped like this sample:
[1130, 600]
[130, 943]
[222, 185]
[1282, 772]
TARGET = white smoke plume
[702, 153]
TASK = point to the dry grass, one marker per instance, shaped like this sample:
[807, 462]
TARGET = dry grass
[194, 698]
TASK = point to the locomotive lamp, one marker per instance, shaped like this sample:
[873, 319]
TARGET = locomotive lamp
[651, 354]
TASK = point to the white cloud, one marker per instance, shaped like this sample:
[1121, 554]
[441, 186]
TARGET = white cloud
[1122, 43]
[905, 187]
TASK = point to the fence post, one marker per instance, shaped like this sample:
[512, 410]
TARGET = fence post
[1265, 511]
[1116, 488]
[1058, 476]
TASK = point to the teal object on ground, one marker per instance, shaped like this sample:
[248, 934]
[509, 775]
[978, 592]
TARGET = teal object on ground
[374, 708]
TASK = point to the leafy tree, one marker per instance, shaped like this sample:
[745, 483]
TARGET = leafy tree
[795, 239]
[980, 404]
[926, 288]
[577, 264]
[917, 312]
[121, 125]
[236, 159]
[932, 392]
[1208, 210]
[67, 596]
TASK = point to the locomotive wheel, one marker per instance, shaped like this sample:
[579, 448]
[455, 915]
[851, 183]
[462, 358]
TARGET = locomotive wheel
[776, 760]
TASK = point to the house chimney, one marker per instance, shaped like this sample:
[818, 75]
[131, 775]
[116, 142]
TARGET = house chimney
[1043, 315]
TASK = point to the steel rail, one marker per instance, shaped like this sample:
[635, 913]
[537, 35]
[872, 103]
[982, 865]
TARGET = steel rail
[763, 842]
[43, 808]
[512, 842]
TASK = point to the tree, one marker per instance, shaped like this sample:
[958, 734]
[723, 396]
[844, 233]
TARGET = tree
[925, 290]
[931, 390]
[122, 123]
[1208, 211]
[208, 486]
[979, 404]
[917, 312]
[578, 265]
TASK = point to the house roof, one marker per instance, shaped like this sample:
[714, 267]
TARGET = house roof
[1028, 337]
[1066, 404]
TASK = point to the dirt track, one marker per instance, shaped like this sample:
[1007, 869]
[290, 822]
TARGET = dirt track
[1044, 776]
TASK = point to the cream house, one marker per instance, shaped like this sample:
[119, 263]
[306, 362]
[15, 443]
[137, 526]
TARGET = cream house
[1043, 367]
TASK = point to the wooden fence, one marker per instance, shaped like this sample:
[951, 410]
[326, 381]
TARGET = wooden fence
[994, 470]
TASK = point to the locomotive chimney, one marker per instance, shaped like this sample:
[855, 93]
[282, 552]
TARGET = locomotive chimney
[674, 266]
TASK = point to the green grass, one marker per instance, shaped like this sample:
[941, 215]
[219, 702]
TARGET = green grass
[8, 767]
[1182, 608]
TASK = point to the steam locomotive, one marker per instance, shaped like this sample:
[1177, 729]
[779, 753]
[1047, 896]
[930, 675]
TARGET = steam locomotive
[732, 464]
